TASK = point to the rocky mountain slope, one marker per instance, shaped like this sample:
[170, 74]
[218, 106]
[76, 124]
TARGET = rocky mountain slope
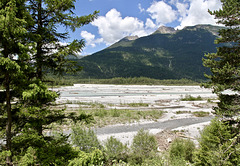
[165, 54]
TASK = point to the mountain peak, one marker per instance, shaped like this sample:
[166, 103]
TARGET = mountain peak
[211, 28]
[165, 30]
[131, 37]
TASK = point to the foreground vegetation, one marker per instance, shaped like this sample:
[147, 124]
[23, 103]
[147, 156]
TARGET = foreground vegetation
[144, 149]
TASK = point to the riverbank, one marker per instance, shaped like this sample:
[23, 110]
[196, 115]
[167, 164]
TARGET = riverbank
[168, 99]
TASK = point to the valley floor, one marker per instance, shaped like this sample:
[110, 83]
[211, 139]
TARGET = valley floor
[182, 114]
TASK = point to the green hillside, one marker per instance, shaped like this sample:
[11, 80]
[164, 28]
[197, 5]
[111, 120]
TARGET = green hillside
[165, 54]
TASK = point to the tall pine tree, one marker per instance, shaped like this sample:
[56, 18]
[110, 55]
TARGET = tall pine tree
[225, 63]
[30, 47]
[13, 23]
[50, 55]
[219, 142]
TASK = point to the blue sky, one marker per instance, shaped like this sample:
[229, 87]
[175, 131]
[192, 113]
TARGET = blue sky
[120, 18]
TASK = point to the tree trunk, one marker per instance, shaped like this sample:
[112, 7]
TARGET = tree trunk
[39, 42]
[8, 110]
[9, 119]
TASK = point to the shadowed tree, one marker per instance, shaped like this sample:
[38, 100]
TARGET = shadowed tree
[219, 142]
[30, 47]
[225, 63]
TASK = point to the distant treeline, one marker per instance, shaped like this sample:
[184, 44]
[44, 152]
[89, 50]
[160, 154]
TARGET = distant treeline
[70, 80]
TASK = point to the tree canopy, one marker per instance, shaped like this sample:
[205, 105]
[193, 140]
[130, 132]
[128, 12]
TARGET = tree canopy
[225, 63]
[31, 46]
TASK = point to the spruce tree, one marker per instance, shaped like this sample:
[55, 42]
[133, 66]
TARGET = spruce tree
[12, 31]
[30, 47]
[225, 63]
[50, 54]
[219, 142]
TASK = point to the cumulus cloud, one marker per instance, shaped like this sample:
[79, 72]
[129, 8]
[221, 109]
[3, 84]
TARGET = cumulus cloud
[162, 12]
[113, 27]
[186, 12]
[182, 9]
[90, 39]
[149, 24]
[197, 12]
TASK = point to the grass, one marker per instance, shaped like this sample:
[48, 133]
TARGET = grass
[135, 104]
[91, 104]
[200, 114]
[191, 98]
[183, 112]
[105, 117]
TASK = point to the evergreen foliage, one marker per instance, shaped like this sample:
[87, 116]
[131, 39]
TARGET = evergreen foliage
[219, 143]
[85, 139]
[116, 150]
[144, 146]
[181, 149]
[30, 47]
[224, 64]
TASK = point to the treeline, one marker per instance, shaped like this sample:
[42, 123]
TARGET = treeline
[70, 80]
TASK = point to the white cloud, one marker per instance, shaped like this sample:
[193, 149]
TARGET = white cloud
[90, 39]
[182, 9]
[162, 12]
[113, 27]
[197, 13]
[149, 24]
[140, 8]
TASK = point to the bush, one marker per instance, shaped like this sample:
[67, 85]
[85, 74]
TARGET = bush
[218, 145]
[200, 114]
[144, 146]
[181, 149]
[191, 98]
[96, 157]
[115, 150]
[85, 139]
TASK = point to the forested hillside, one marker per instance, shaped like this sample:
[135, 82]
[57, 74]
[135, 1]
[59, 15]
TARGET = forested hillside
[165, 54]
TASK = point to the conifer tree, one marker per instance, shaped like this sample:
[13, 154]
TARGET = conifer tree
[225, 63]
[30, 47]
[219, 142]
[12, 32]
[50, 54]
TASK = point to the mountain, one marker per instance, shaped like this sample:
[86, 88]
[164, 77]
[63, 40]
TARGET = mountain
[165, 54]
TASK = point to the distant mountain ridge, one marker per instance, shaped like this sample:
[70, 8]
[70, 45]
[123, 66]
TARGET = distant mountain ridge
[165, 30]
[165, 54]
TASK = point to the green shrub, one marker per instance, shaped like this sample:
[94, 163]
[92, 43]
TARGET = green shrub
[144, 146]
[116, 113]
[138, 104]
[115, 150]
[183, 112]
[101, 113]
[181, 149]
[94, 158]
[218, 145]
[191, 98]
[85, 139]
[200, 114]
[156, 160]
